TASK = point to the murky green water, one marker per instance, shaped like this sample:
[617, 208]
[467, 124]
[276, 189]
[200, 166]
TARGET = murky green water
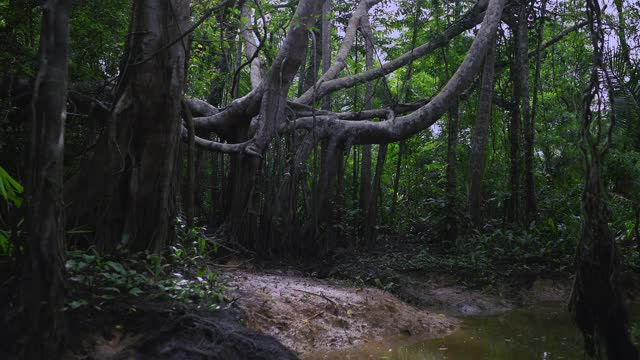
[539, 332]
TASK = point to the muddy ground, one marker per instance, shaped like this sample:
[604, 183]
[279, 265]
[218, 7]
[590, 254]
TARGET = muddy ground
[289, 310]
[311, 315]
[307, 314]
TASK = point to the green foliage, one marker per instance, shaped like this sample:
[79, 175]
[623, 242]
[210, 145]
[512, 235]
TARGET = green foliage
[11, 193]
[97, 279]
[10, 189]
[634, 332]
[487, 255]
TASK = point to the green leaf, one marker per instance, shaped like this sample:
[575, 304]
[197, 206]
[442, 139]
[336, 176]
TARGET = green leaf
[135, 291]
[116, 267]
[10, 189]
[78, 303]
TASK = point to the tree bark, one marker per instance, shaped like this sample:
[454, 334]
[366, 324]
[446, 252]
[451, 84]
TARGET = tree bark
[191, 164]
[451, 216]
[365, 172]
[326, 48]
[396, 179]
[376, 197]
[536, 91]
[451, 220]
[43, 277]
[481, 137]
[530, 207]
[131, 181]
[596, 301]
[244, 216]
[402, 127]
[513, 204]
[621, 30]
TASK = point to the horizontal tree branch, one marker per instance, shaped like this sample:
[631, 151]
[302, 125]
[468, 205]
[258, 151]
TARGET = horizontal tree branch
[469, 20]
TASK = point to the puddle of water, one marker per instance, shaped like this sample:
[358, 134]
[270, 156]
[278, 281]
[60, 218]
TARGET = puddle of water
[538, 333]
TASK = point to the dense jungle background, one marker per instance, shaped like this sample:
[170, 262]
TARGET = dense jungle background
[213, 179]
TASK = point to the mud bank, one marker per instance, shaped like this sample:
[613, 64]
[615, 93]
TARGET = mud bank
[308, 314]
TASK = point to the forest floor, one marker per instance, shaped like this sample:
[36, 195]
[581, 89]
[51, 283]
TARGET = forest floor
[342, 301]
[356, 297]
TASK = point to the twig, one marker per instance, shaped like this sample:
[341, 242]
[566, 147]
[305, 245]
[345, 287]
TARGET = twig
[319, 295]
[313, 317]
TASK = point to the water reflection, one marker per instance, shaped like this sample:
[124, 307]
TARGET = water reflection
[539, 332]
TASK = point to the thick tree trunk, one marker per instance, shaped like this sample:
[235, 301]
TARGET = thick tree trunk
[132, 176]
[43, 281]
[596, 301]
[481, 137]
[147, 127]
[244, 216]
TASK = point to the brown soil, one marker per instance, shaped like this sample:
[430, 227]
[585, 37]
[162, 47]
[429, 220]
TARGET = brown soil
[309, 315]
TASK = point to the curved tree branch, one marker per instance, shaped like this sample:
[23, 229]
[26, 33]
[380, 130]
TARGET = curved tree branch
[469, 20]
[402, 127]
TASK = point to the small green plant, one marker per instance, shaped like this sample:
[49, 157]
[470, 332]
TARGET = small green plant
[97, 279]
[11, 193]
[192, 242]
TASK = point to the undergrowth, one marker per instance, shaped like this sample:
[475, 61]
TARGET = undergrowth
[182, 274]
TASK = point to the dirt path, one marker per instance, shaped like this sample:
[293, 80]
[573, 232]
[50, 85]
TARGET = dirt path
[308, 314]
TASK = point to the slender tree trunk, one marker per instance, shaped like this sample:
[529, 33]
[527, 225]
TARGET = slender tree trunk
[302, 72]
[396, 179]
[314, 55]
[365, 172]
[365, 179]
[451, 218]
[326, 48]
[522, 34]
[451, 222]
[355, 178]
[481, 137]
[43, 281]
[404, 94]
[376, 197]
[191, 171]
[513, 203]
[536, 80]
[215, 180]
[621, 30]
